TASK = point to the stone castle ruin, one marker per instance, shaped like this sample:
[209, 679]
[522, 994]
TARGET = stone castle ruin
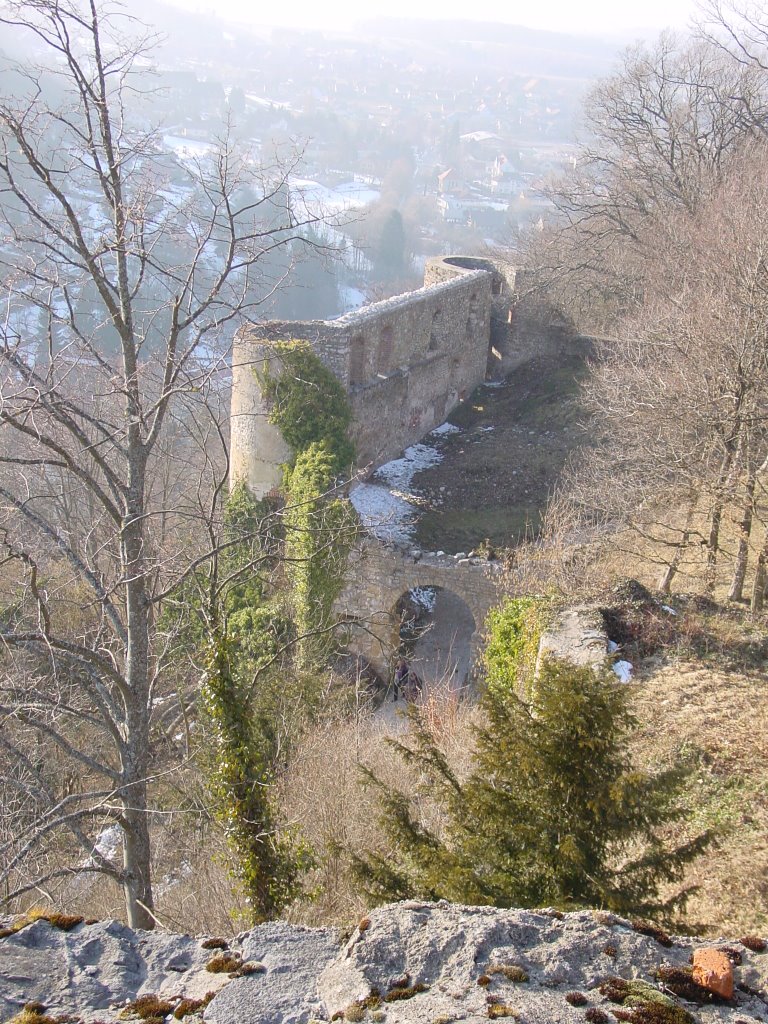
[406, 362]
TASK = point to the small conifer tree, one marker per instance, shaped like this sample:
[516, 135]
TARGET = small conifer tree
[551, 813]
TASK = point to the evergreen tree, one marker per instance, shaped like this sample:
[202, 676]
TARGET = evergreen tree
[551, 813]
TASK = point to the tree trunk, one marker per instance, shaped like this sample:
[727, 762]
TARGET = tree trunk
[742, 555]
[713, 546]
[723, 488]
[137, 882]
[134, 545]
[665, 583]
[758, 586]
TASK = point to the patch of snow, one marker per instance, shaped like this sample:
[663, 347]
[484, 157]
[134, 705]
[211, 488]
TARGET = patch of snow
[668, 610]
[425, 597]
[108, 845]
[387, 516]
[400, 472]
[486, 429]
[612, 647]
[173, 878]
[383, 505]
[187, 148]
[351, 298]
[262, 101]
[494, 384]
[446, 428]
[623, 669]
[315, 198]
[157, 702]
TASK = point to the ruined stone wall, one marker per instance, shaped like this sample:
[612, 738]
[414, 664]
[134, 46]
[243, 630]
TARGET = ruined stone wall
[379, 575]
[257, 448]
[406, 362]
[515, 335]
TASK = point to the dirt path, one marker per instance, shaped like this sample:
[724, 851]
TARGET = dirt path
[440, 657]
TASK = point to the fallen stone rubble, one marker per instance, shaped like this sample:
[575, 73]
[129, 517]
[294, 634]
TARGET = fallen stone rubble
[408, 963]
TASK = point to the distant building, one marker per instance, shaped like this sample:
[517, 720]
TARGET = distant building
[505, 178]
[448, 181]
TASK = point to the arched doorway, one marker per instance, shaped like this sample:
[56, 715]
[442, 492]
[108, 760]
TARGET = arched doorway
[437, 628]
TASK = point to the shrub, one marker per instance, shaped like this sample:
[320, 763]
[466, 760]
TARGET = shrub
[552, 811]
[514, 632]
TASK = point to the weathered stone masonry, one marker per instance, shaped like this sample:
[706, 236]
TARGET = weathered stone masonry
[406, 362]
[379, 576]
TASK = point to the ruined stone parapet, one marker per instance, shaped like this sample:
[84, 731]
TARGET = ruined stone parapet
[95, 972]
[406, 363]
[505, 350]
[577, 635]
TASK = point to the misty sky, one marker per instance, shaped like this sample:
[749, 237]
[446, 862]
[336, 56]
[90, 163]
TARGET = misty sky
[604, 17]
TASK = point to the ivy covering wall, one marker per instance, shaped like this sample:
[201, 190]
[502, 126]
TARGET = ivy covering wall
[312, 411]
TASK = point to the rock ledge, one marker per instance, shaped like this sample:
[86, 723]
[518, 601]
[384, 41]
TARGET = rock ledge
[408, 963]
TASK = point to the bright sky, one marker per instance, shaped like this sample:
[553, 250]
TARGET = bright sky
[602, 17]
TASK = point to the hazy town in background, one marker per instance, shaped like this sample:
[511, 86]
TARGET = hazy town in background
[416, 138]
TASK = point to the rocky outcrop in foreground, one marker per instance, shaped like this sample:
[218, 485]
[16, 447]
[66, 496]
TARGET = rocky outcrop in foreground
[411, 962]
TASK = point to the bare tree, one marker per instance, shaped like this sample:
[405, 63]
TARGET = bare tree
[125, 271]
[659, 134]
[739, 29]
[680, 396]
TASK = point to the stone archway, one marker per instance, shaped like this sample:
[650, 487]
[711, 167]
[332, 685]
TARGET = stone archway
[379, 575]
[436, 631]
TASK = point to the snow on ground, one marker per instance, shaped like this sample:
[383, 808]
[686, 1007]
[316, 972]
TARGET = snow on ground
[425, 597]
[447, 428]
[173, 878]
[400, 472]
[319, 199]
[384, 506]
[187, 148]
[623, 669]
[108, 845]
[383, 514]
[351, 298]
[262, 101]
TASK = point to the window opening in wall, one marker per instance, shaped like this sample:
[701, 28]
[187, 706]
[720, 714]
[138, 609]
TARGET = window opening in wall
[474, 317]
[357, 360]
[434, 334]
[385, 350]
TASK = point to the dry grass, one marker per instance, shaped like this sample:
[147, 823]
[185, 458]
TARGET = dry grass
[717, 721]
[701, 693]
[323, 791]
[693, 699]
[580, 562]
